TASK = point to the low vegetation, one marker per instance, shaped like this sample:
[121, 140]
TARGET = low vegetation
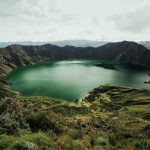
[109, 118]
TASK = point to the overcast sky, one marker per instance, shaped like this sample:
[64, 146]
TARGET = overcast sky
[49, 20]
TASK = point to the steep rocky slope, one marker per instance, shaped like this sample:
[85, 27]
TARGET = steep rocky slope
[14, 55]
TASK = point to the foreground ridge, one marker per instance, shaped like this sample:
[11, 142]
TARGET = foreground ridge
[110, 117]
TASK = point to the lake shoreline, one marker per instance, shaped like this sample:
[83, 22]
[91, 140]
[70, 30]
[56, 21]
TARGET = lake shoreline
[53, 79]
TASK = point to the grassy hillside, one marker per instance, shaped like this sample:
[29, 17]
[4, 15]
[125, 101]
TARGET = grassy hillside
[108, 118]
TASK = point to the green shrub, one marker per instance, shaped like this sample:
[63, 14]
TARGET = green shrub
[40, 139]
[75, 145]
[23, 145]
[31, 141]
[41, 121]
[98, 147]
[35, 141]
[142, 145]
[8, 125]
[101, 141]
[92, 140]
[75, 134]
[6, 142]
[112, 140]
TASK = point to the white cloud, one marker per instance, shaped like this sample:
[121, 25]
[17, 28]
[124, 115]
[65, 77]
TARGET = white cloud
[136, 22]
[74, 19]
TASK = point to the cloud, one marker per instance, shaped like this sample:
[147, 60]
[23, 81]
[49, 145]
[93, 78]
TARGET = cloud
[8, 8]
[70, 19]
[136, 21]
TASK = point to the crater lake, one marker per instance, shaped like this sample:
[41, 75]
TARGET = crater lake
[71, 79]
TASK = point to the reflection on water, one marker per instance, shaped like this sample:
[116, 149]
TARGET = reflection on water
[71, 79]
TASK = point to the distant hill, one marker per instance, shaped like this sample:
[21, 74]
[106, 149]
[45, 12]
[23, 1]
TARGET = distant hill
[76, 43]
[5, 44]
[79, 43]
[123, 52]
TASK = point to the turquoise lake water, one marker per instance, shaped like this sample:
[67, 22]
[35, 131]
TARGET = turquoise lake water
[70, 80]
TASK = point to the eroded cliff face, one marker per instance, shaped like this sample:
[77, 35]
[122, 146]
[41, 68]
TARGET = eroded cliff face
[124, 52]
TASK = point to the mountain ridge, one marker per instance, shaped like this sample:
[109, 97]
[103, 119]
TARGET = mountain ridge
[75, 43]
[63, 43]
[122, 52]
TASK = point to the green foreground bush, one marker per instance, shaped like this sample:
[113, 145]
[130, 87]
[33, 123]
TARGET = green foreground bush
[41, 121]
[75, 134]
[75, 145]
[8, 125]
[142, 145]
[32, 141]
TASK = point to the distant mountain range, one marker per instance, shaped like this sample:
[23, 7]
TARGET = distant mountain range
[123, 52]
[79, 43]
[75, 43]
[5, 44]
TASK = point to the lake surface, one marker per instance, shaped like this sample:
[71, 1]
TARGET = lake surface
[71, 79]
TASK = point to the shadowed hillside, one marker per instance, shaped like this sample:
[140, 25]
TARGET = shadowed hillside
[124, 52]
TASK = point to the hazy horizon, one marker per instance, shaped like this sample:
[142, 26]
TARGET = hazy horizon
[47, 41]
